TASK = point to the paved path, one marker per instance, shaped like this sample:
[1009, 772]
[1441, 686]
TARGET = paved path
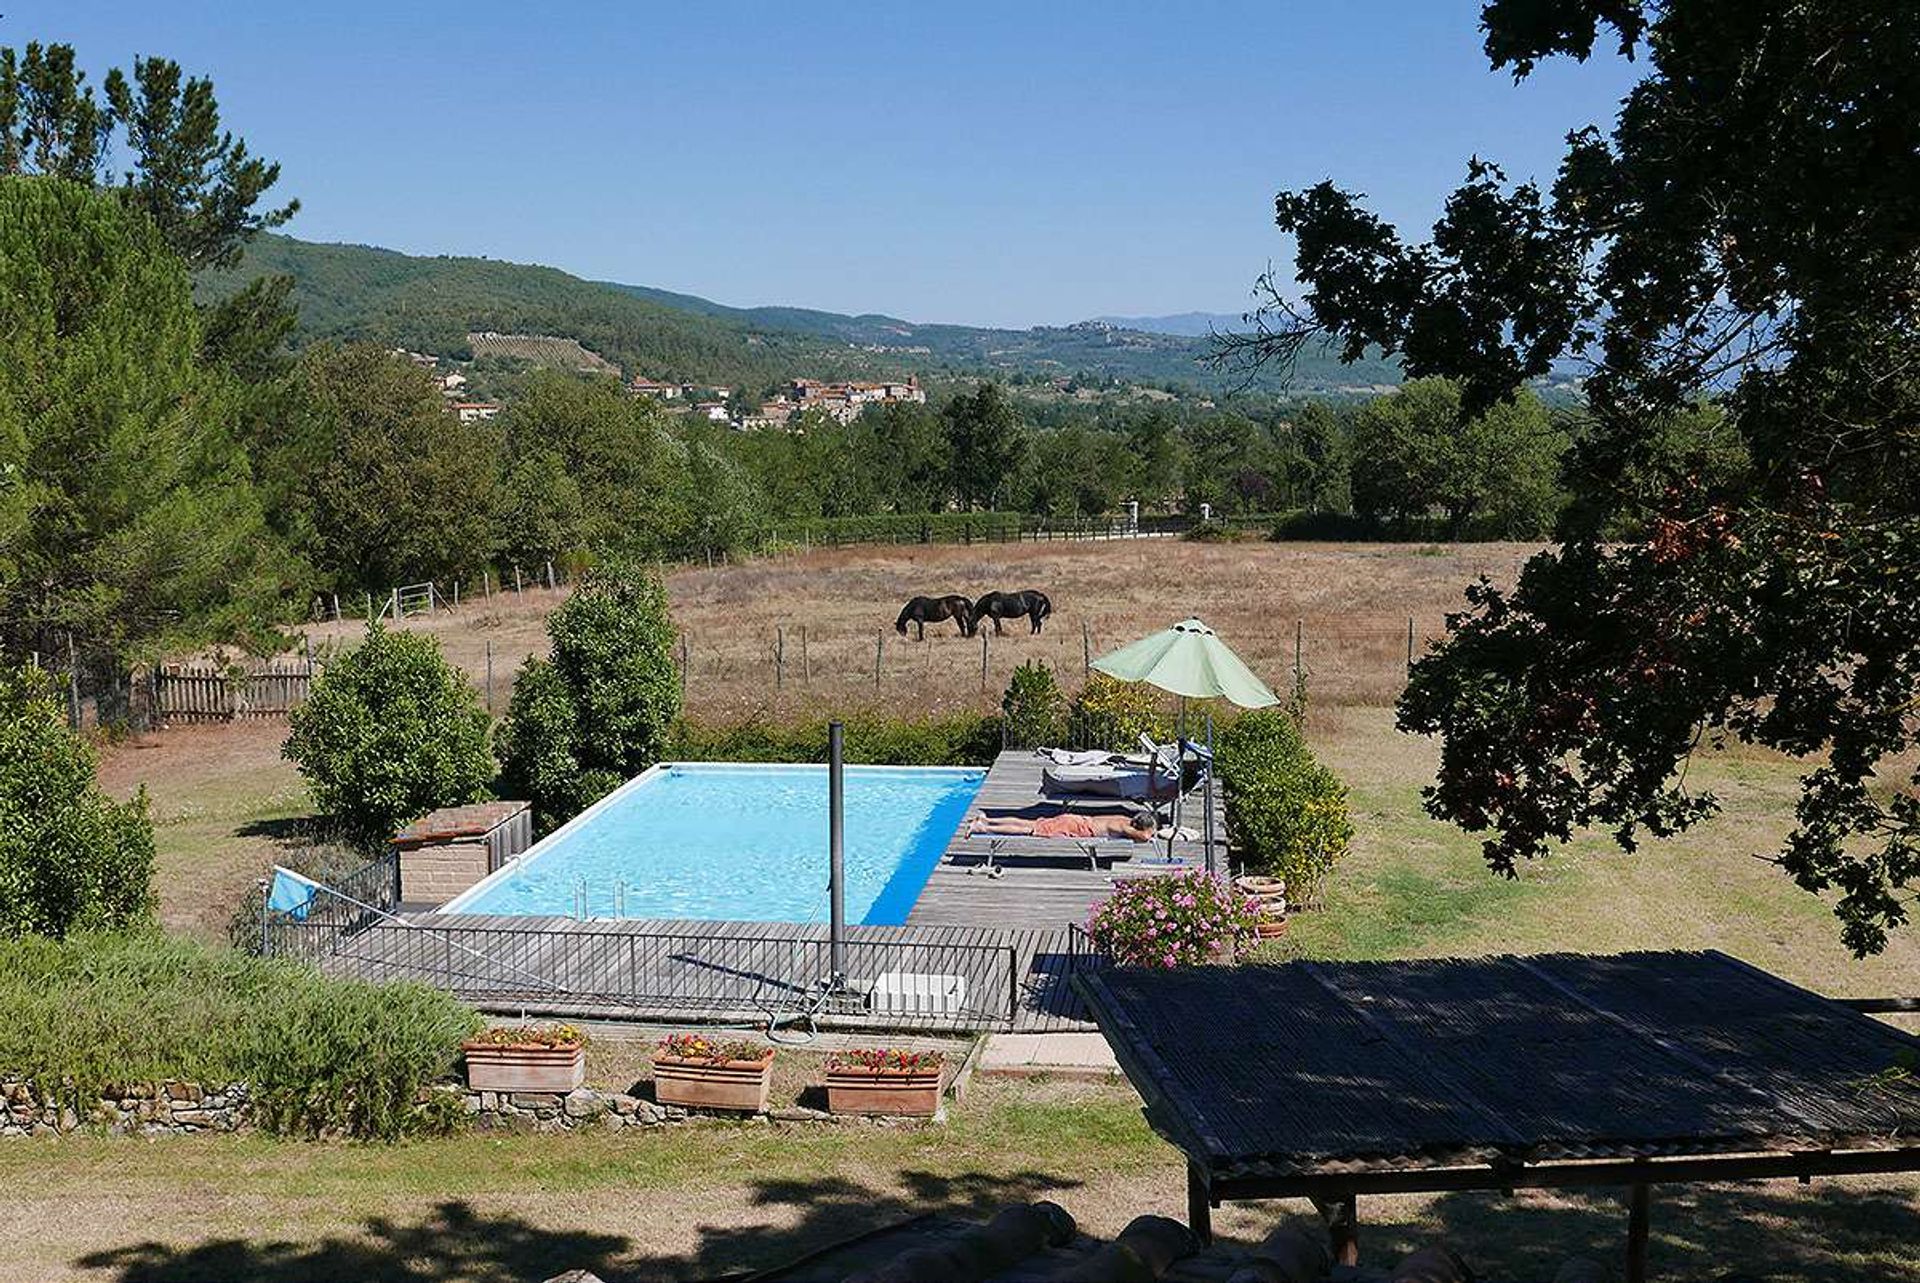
[1064, 1055]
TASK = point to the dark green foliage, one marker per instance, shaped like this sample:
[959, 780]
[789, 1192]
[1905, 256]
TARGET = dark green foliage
[391, 732]
[957, 739]
[599, 711]
[322, 1056]
[1491, 476]
[1287, 812]
[197, 184]
[126, 513]
[986, 444]
[70, 857]
[1746, 233]
[1034, 708]
[390, 486]
[539, 514]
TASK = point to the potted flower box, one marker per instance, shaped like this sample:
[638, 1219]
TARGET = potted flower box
[697, 1072]
[881, 1081]
[526, 1059]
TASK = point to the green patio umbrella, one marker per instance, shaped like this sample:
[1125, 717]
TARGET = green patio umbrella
[1190, 661]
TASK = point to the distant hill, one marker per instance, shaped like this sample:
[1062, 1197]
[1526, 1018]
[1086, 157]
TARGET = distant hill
[1185, 324]
[432, 304]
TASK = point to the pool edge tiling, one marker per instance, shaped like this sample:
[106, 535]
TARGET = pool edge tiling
[720, 841]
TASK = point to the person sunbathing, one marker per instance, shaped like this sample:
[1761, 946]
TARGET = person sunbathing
[1136, 828]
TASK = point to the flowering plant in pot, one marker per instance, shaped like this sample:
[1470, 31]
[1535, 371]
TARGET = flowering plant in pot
[885, 1080]
[1181, 920]
[546, 1058]
[701, 1072]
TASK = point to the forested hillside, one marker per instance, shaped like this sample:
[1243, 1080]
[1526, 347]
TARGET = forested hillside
[431, 304]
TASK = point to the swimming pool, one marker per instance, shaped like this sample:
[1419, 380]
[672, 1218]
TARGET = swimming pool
[738, 843]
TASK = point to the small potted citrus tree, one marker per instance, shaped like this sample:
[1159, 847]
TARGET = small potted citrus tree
[698, 1072]
[883, 1080]
[526, 1058]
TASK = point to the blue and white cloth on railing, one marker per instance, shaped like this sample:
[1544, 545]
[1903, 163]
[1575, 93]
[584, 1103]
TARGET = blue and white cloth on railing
[291, 893]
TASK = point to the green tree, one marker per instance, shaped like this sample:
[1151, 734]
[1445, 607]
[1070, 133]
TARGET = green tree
[1155, 445]
[391, 732]
[1319, 475]
[398, 490]
[600, 708]
[908, 452]
[986, 444]
[1744, 232]
[631, 470]
[70, 857]
[1288, 812]
[539, 515]
[1412, 455]
[126, 512]
[197, 183]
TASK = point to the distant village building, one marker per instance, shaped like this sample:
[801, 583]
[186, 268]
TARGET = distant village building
[476, 411]
[643, 386]
[715, 410]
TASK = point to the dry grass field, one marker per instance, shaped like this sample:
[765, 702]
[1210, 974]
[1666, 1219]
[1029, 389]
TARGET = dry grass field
[1350, 602]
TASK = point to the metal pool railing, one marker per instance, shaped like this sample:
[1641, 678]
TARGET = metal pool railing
[695, 974]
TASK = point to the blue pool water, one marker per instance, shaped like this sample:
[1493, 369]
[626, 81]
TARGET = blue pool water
[741, 843]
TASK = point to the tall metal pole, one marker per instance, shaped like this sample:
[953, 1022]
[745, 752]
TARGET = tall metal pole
[836, 858]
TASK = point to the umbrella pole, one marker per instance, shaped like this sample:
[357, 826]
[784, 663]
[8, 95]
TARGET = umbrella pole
[1206, 782]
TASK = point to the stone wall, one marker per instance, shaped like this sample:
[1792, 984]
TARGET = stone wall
[149, 1109]
[178, 1107]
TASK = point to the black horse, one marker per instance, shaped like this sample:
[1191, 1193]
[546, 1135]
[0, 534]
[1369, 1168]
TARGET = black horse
[1011, 605]
[922, 611]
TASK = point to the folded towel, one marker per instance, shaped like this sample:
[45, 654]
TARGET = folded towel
[1075, 756]
[1181, 834]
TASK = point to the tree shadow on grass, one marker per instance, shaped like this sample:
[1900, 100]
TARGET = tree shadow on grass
[787, 1219]
[811, 1214]
[1834, 1231]
[453, 1243]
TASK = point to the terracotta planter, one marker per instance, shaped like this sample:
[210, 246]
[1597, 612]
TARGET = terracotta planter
[706, 1084]
[907, 1092]
[1269, 928]
[492, 1067]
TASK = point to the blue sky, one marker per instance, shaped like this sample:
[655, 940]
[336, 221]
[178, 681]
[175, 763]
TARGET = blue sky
[986, 163]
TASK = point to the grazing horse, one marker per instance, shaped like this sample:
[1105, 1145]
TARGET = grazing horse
[1011, 605]
[922, 611]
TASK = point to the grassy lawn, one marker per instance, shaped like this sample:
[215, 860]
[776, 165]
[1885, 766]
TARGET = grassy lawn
[700, 1201]
[695, 1202]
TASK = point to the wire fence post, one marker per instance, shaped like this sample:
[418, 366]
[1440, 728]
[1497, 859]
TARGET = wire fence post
[1299, 629]
[1086, 650]
[983, 658]
[879, 644]
[1409, 643]
[685, 663]
[550, 582]
[779, 656]
[489, 674]
[519, 587]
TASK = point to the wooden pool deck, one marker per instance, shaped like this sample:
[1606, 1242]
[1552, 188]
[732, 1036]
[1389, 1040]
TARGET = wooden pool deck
[999, 915]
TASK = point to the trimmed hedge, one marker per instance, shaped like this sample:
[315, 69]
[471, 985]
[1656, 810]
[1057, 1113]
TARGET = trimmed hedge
[320, 1056]
[958, 739]
[1287, 813]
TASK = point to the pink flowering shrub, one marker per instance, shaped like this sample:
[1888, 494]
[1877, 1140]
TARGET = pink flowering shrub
[1181, 920]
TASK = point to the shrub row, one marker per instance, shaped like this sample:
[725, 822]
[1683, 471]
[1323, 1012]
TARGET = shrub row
[1287, 812]
[321, 1056]
[957, 739]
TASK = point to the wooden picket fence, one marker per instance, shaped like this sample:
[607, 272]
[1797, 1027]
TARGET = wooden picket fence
[197, 691]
